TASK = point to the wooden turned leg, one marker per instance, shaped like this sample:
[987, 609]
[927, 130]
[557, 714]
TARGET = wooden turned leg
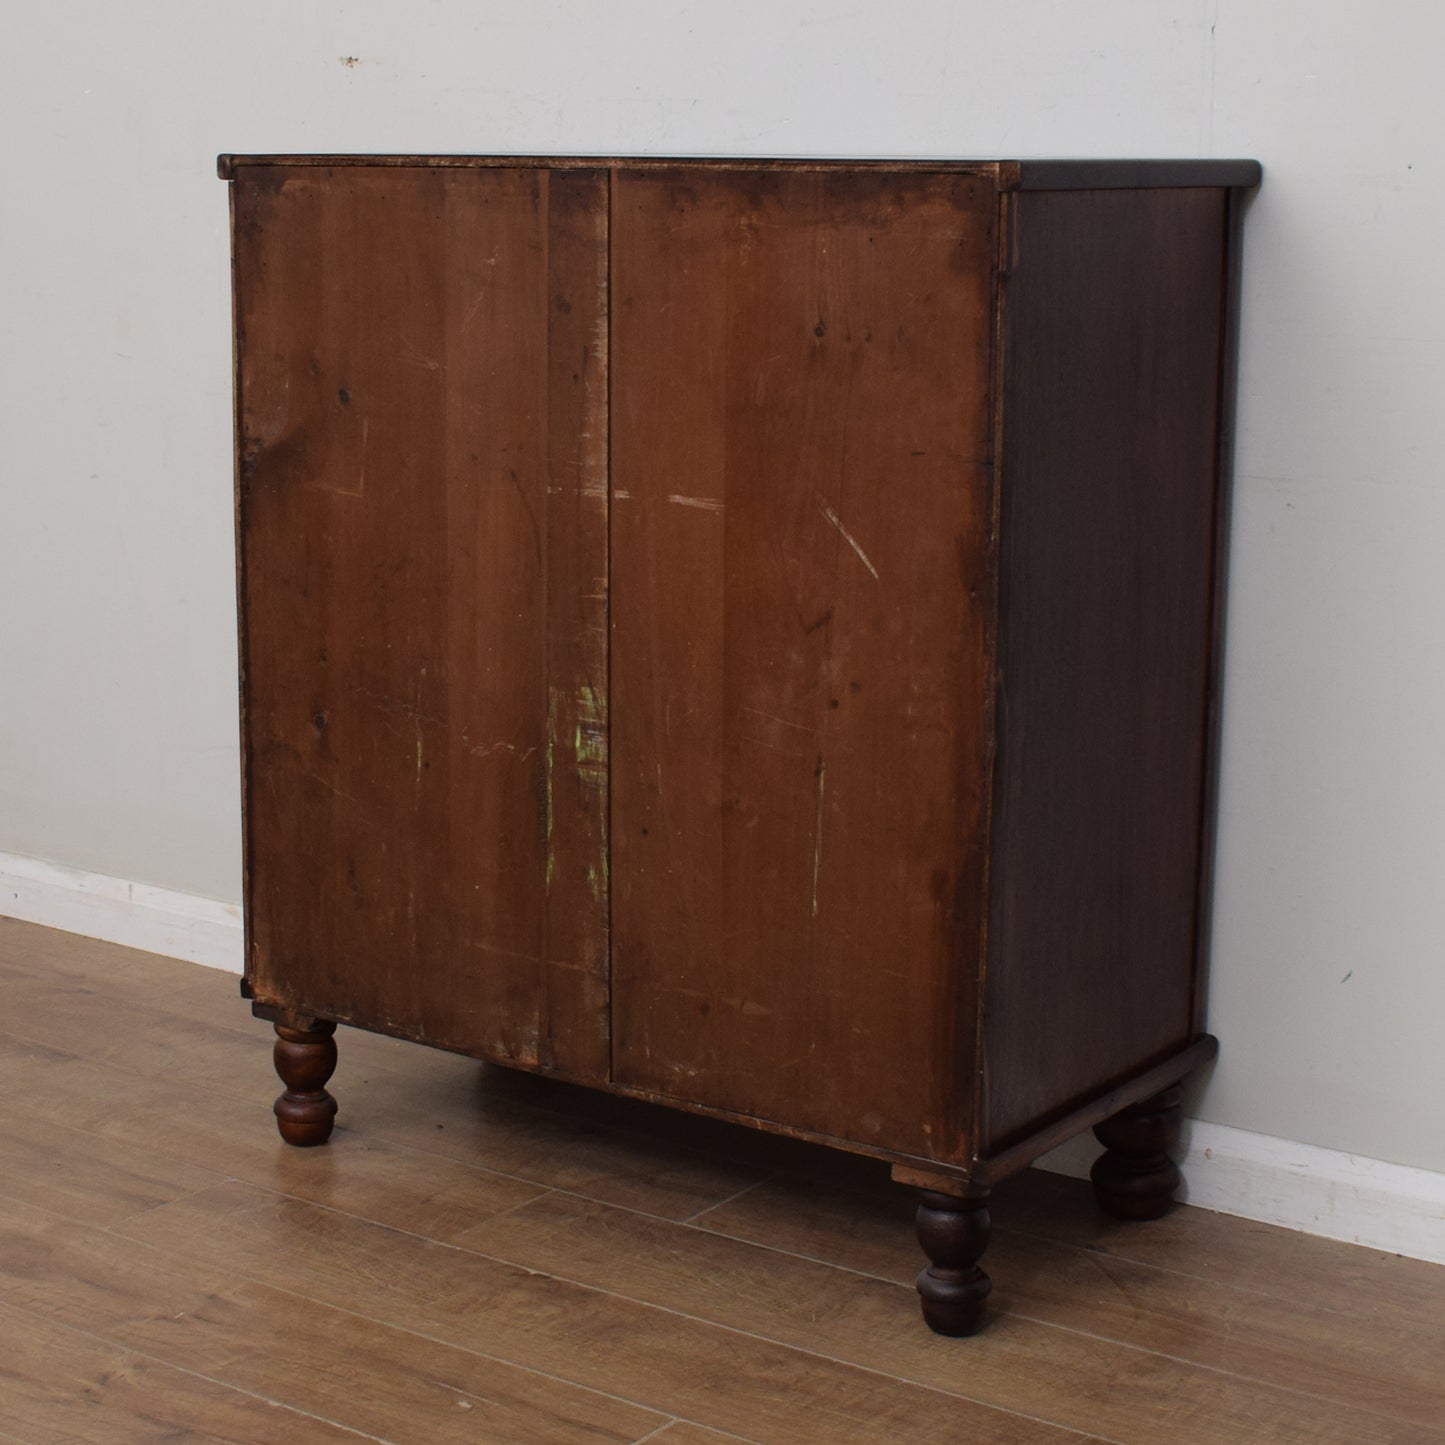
[954, 1234]
[1135, 1178]
[305, 1059]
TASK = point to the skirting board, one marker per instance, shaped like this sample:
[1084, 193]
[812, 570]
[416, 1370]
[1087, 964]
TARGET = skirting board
[1390, 1207]
[138, 915]
[1299, 1186]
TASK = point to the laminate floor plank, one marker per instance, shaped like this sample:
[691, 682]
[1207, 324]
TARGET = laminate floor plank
[725, 1378]
[83, 1176]
[1393, 1368]
[403, 1145]
[681, 1432]
[1071, 1376]
[1301, 1269]
[452, 1106]
[62, 1386]
[340, 1366]
[166, 1132]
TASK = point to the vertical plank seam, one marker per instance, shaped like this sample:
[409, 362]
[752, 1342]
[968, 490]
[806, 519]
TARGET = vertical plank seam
[607, 806]
[544, 951]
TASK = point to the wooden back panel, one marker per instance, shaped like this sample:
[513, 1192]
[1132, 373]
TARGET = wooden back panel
[422, 521]
[800, 529]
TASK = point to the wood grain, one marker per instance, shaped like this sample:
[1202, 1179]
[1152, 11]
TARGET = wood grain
[342, 1367]
[800, 552]
[1067, 1376]
[654, 1356]
[421, 428]
[65, 1385]
[682, 1432]
[1111, 355]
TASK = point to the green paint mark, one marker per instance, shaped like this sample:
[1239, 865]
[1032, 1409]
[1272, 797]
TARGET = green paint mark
[589, 744]
[591, 707]
[589, 737]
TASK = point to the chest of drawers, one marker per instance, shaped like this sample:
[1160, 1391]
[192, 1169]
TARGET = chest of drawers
[743, 635]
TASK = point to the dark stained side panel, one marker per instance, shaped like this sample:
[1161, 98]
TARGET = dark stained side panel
[1107, 485]
[422, 509]
[800, 550]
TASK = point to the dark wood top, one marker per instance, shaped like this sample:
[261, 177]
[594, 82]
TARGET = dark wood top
[1022, 175]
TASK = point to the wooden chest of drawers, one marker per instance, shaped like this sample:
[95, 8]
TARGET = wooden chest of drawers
[743, 635]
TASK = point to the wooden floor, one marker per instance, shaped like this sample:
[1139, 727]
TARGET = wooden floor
[484, 1256]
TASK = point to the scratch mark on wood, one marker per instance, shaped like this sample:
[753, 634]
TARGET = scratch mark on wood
[822, 774]
[849, 538]
[333, 789]
[772, 747]
[476, 305]
[385, 704]
[553, 703]
[756, 712]
[703, 504]
[485, 750]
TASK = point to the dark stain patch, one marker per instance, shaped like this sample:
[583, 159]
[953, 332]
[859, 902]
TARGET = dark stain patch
[318, 720]
[564, 306]
[820, 330]
[349, 61]
[315, 367]
[833, 703]
[250, 457]
[344, 397]
[822, 621]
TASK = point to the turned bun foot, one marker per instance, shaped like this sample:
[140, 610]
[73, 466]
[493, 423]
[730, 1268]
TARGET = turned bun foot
[954, 1234]
[1135, 1178]
[305, 1059]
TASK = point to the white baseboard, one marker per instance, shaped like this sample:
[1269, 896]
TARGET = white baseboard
[138, 915]
[1299, 1186]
